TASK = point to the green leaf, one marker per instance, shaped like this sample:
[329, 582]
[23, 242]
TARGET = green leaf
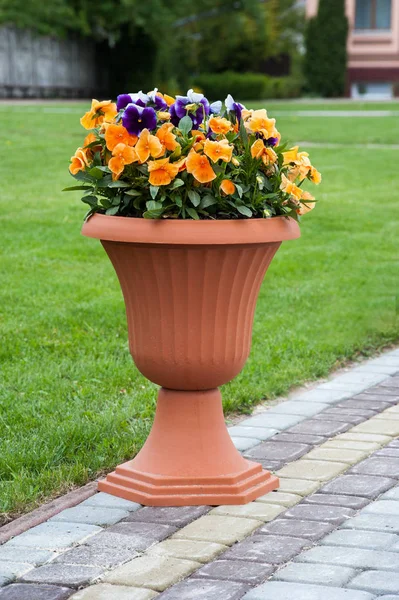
[90, 200]
[152, 205]
[153, 191]
[83, 176]
[106, 203]
[96, 173]
[244, 210]
[185, 125]
[133, 193]
[239, 190]
[243, 133]
[153, 214]
[112, 211]
[119, 184]
[178, 201]
[192, 212]
[103, 168]
[176, 184]
[208, 200]
[194, 197]
[72, 188]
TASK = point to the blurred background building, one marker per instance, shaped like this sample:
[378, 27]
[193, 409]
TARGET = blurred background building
[373, 47]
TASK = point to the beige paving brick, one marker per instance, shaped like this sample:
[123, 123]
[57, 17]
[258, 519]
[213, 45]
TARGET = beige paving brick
[316, 470]
[105, 591]
[280, 498]
[253, 510]
[302, 487]
[355, 436]
[337, 454]
[387, 416]
[380, 426]
[154, 572]
[215, 528]
[202, 552]
[351, 445]
[392, 409]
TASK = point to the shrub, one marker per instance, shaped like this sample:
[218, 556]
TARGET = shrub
[247, 86]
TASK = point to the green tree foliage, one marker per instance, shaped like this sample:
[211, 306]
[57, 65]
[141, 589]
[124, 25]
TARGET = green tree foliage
[326, 55]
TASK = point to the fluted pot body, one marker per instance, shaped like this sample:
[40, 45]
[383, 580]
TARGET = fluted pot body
[190, 290]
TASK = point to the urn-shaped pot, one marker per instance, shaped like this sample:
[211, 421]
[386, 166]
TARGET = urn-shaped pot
[190, 290]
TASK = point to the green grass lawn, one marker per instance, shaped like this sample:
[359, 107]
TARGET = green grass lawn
[72, 404]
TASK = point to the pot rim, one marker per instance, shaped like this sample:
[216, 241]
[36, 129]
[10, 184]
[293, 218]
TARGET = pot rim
[190, 232]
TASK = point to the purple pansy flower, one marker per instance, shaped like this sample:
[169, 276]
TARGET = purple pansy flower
[136, 118]
[272, 141]
[159, 102]
[234, 107]
[178, 109]
[140, 99]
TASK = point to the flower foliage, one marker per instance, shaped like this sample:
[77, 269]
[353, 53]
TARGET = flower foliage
[154, 156]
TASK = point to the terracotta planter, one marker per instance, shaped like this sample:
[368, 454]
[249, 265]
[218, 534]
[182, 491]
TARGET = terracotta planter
[190, 289]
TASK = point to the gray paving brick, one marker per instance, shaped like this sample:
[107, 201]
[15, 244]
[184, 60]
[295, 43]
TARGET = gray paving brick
[308, 530]
[4, 581]
[355, 502]
[278, 422]
[132, 536]
[324, 396]
[367, 486]
[360, 558]
[364, 377]
[280, 451]
[65, 575]
[382, 391]
[103, 499]
[391, 382]
[342, 411]
[12, 570]
[367, 402]
[311, 440]
[236, 570]
[296, 407]
[382, 507]
[369, 522]
[317, 574]
[23, 591]
[54, 535]
[33, 556]
[178, 516]
[270, 549]
[353, 420]
[316, 427]
[271, 465]
[199, 589]
[282, 590]
[96, 556]
[388, 451]
[393, 444]
[392, 494]
[319, 512]
[376, 582]
[360, 539]
[260, 433]
[242, 443]
[92, 515]
[379, 465]
[390, 597]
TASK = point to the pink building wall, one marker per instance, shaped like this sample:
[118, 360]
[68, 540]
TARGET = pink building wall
[373, 55]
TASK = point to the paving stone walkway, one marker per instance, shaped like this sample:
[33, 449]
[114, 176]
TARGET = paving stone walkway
[331, 532]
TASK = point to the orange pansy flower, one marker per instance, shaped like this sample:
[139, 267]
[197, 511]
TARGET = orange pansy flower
[315, 176]
[200, 167]
[161, 171]
[78, 161]
[117, 134]
[121, 155]
[164, 116]
[260, 123]
[168, 99]
[220, 125]
[148, 145]
[99, 112]
[290, 188]
[218, 150]
[228, 187]
[166, 137]
[267, 154]
[305, 207]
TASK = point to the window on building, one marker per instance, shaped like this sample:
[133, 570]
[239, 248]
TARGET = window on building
[373, 14]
